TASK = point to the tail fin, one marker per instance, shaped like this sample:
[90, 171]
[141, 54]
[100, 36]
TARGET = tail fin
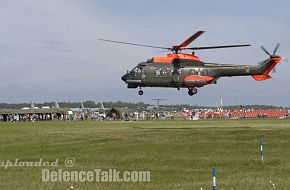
[266, 67]
[82, 105]
[56, 105]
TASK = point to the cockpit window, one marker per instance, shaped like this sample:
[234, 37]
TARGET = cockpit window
[136, 69]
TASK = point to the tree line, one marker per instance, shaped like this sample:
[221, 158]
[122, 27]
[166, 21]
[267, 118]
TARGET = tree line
[130, 105]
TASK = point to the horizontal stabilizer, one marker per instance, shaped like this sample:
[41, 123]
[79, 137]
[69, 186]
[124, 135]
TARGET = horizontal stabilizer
[261, 77]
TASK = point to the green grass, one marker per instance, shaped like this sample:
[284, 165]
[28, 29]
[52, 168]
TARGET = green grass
[178, 154]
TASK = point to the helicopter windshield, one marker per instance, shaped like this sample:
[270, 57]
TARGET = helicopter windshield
[136, 69]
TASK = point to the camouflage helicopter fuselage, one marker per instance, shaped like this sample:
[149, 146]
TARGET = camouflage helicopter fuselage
[188, 71]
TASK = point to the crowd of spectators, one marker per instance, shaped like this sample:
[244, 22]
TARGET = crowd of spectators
[123, 114]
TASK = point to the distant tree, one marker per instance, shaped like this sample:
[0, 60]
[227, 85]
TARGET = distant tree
[90, 104]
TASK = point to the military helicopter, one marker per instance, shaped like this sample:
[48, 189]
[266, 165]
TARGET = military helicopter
[182, 70]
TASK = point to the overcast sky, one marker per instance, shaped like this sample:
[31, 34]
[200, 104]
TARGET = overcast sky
[49, 49]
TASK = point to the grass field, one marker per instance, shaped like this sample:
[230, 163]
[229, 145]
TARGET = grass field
[178, 154]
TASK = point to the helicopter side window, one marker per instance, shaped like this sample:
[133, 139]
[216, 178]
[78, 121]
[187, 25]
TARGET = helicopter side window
[164, 72]
[194, 71]
[158, 72]
[205, 72]
[176, 71]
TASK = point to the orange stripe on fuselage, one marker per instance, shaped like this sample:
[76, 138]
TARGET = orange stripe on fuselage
[169, 58]
[198, 78]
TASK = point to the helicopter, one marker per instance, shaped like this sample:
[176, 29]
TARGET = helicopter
[184, 70]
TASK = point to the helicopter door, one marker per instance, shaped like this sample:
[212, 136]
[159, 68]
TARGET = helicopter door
[176, 76]
[143, 74]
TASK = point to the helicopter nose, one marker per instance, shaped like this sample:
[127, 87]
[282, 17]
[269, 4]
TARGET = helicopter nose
[124, 78]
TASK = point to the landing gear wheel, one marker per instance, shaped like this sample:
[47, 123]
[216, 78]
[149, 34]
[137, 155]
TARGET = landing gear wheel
[140, 92]
[192, 91]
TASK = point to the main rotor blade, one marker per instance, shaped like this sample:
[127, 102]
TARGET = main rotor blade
[262, 47]
[190, 39]
[128, 43]
[276, 48]
[216, 47]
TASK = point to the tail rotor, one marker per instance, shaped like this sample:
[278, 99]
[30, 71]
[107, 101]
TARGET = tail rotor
[272, 55]
[274, 52]
[276, 48]
[262, 47]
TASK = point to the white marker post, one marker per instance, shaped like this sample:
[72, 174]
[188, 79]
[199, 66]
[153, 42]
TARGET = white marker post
[213, 178]
[262, 149]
